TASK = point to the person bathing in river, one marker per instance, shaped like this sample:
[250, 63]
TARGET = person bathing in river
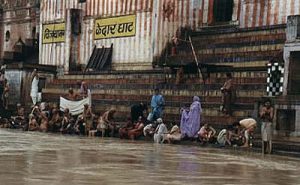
[206, 133]
[106, 122]
[137, 130]
[174, 135]
[247, 126]
[160, 132]
[33, 124]
[88, 116]
[229, 135]
[123, 132]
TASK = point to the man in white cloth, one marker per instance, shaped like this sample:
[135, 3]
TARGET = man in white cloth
[34, 87]
[266, 114]
[160, 132]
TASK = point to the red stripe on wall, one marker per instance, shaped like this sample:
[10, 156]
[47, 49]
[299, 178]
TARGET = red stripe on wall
[143, 5]
[111, 7]
[125, 9]
[292, 7]
[276, 14]
[187, 12]
[136, 6]
[122, 7]
[107, 10]
[95, 8]
[174, 12]
[201, 14]
[283, 12]
[261, 13]
[117, 7]
[246, 15]
[61, 9]
[103, 9]
[254, 13]
[269, 12]
[85, 8]
[210, 12]
[130, 5]
[151, 5]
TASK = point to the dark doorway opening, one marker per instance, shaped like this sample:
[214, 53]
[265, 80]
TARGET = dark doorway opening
[286, 120]
[294, 75]
[223, 10]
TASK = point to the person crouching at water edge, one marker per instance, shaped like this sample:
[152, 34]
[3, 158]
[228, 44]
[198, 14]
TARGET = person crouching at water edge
[190, 119]
[106, 122]
[174, 135]
[137, 129]
[229, 136]
[149, 130]
[207, 134]
[160, 132]
[248, 126]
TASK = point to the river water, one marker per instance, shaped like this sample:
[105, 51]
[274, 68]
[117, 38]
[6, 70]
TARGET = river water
[31, 158]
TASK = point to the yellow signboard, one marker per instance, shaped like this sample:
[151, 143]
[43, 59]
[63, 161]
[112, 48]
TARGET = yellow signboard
[54, 33]
[123, 26]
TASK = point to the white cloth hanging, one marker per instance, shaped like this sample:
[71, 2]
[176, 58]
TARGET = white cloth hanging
[75, 107]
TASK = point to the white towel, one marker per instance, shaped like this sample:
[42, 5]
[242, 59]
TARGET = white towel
[75, 107]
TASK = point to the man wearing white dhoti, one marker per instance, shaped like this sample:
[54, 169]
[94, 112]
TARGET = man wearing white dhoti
[34, 86]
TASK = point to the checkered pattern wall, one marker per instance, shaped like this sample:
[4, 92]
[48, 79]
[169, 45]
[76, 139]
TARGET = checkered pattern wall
[275, 79]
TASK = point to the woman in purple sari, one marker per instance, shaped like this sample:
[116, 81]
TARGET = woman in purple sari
[190, 119]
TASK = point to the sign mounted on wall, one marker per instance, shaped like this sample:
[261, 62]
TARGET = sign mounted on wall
[53, 33]
[122, 26]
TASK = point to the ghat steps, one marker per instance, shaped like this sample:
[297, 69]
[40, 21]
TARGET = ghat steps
[243, 52]
[122, 91]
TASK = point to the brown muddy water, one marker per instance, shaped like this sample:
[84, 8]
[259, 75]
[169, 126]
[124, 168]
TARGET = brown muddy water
[29, 158]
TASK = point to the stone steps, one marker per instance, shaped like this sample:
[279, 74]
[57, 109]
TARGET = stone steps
[246, 103]
[245, 53]
[178, 94]
[166, 88]
[123, 90]
[234, 47]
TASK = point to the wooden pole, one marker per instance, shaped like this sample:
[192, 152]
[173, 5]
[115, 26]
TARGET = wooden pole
[196, 60]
